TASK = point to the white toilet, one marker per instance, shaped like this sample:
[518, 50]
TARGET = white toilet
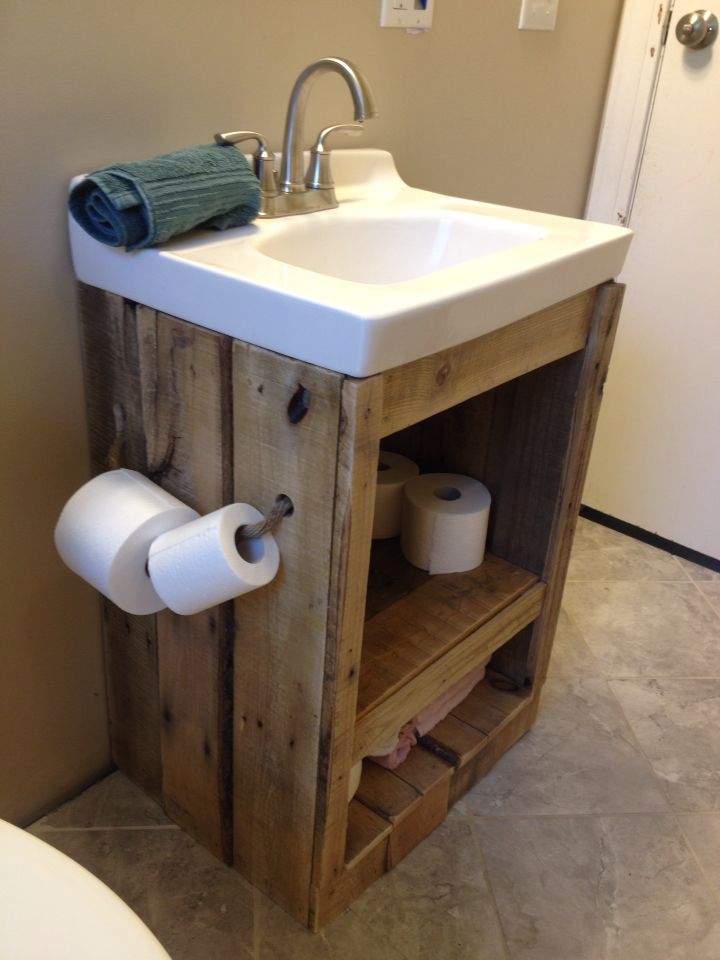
[51, 908]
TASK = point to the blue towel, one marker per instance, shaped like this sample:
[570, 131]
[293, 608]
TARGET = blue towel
[144, 202]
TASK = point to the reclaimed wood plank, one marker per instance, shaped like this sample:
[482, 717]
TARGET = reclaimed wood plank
[423, 770]
[391, 713]
[110, 352]
[131, 668]
[536, 467]
[186, 398]
[403, 639]
[386, 794]
[588, 397]
[478, 765]
[417, 390]
[281, 630]
[357, 458]
[366, 868]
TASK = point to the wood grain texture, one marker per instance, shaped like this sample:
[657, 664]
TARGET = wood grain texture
[404, 638]
[366, 829]
[588, 397]
[281, 630]
[422, 388]
[496, 745]
[386, 794]
[424, 771]
[131, 668]
[113, 393]
[357, 460]
[477, 720]
[367, 867]
[158, 394]
[187, 408]
[113, 396]
[373, 726]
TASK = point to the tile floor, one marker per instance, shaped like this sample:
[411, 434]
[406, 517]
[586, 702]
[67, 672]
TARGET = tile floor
[597, 837]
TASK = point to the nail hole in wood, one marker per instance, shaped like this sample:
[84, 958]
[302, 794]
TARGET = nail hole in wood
[287, 503]
[299, 404]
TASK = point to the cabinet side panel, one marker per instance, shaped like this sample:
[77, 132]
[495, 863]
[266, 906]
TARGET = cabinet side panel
[596, 360]
[536, 469]
[286, 426]
[115, 427]
[354, 506]
[185, 382]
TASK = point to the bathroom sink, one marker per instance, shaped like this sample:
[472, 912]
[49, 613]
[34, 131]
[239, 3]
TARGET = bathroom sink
[392, 274]
[383, 248]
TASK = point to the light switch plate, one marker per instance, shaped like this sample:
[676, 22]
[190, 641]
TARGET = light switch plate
[537, 14]
[411, 14]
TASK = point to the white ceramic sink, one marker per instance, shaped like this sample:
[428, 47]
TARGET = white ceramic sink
[379, 247]
[393, 274]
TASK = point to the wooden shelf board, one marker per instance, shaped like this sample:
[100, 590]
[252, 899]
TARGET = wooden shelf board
[365, 830]
[390, 712]
[415, 618]
[400, 807]
[385, 793]
[475, 722]
[424, 771]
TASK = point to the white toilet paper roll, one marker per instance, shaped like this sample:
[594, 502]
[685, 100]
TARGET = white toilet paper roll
[105, 531]
[394, 471]
[199, 565]
[444, 522]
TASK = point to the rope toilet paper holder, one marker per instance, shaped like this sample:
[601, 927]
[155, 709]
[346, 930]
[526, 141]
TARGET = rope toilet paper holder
[283, 507]
[146, 550]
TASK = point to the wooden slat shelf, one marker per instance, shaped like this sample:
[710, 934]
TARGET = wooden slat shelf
[475, 722]
[413, 799]
[375, 725]
[426, 616]
[366, 829]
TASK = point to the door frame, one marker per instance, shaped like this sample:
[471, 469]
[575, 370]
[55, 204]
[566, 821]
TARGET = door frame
[633, 81]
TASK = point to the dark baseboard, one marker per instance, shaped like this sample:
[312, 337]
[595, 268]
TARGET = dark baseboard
[630, 530]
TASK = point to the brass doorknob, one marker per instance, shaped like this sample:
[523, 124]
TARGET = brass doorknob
[697, 30]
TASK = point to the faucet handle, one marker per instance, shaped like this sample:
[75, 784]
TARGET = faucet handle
[263, 157]
[318, 175]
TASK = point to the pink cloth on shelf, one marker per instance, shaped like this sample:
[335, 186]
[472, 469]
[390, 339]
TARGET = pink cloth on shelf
[424, 721]
[407, 739]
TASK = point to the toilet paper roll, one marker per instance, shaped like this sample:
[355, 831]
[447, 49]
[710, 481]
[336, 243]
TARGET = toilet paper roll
[105, 531]
[201, 564]
[444, 522]
[394, 471]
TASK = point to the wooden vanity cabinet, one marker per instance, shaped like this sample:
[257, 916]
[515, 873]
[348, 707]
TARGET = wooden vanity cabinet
[246, 720]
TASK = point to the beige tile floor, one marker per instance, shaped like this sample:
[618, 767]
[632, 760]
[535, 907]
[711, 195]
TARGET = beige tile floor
[597, 836]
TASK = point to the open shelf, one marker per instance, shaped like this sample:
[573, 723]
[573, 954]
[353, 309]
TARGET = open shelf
[415, 619]
[429, 637]
[400, 807]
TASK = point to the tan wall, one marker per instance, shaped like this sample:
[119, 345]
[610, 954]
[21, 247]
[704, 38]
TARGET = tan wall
[473, 107]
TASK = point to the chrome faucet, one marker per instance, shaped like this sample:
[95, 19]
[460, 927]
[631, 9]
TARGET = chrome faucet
[294, 191]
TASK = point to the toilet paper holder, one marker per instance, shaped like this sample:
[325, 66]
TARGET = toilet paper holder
[283, 507]
[145, 550]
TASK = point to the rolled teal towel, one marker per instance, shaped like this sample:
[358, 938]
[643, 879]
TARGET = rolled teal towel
[144, 202]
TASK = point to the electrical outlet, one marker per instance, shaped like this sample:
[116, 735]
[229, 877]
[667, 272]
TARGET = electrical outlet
[411, 14]
[537, 14]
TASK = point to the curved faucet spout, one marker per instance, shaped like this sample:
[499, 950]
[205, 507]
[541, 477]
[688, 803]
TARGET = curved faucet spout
[291, 171]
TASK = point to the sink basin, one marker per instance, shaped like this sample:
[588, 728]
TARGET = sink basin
[382, 248]
[393, 274]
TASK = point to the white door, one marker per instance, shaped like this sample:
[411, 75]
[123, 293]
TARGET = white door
[656, 460]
